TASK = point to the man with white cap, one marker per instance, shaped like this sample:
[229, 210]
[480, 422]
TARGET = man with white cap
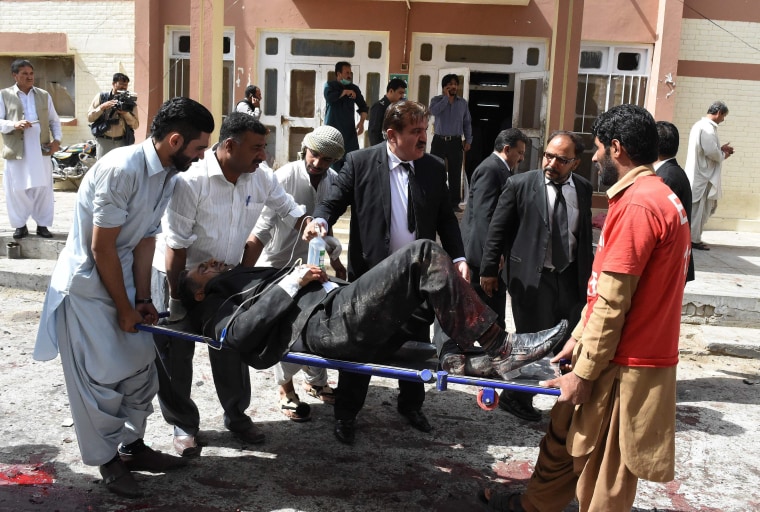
[274, 243]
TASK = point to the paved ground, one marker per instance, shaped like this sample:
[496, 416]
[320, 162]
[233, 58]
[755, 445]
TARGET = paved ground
[391, 468]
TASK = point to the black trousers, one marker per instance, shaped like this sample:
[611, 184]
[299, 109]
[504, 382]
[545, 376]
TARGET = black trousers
[452, 153]
[371, 318]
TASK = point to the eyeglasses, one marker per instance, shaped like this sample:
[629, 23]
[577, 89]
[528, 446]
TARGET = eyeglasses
[561, 159]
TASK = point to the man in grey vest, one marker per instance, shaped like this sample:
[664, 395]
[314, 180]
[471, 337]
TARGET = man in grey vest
[31, 133]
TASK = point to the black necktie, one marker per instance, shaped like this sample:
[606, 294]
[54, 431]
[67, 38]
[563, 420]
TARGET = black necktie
[410, 223]
[560, 245]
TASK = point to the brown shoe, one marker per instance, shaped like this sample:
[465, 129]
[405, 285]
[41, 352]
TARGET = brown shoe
[251, 435]
[148, 459]
[186, 446]
[118, 479]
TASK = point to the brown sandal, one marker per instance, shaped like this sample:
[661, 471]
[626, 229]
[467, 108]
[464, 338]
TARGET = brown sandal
[295, 409]
[324, 393]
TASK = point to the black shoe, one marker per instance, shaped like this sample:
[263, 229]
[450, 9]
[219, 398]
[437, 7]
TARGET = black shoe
[480, 365]
[345, 430]
[417, 419]
[520, 406]
[518, 350]
[20, 232]
[43, 232]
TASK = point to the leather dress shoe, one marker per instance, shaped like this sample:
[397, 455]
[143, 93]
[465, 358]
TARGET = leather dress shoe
[44, 232]
[453, 363]
[345, 430]
[148, 459]
[20, 232]
[186, 446]
[519, 404]
[417, 419]
[118, 479]
[517, 350]
[251, 435]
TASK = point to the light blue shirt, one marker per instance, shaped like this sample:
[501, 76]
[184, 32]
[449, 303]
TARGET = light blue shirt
[451, 119]
[127, 188]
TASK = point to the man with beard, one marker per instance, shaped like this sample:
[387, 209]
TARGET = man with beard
[541, 227]
[615, 419]
[213, 210]
[308, 180]
[100, 289]
[397, 194]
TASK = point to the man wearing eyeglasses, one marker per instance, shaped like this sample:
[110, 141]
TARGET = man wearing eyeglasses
[546, 245]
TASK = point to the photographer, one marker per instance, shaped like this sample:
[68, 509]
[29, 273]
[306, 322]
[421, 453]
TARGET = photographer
[112, 117]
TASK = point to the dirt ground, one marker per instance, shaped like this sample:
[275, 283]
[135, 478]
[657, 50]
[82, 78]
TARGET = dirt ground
[391, 468]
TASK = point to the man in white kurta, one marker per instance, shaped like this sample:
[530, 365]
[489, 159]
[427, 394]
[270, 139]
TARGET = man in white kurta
[308, 180]
[100, 290]
[31, 132]
[213, 210]
[704, 159]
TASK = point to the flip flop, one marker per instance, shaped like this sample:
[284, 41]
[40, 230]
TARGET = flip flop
[324, 393]
[701, 246]
[294, 409]
[502, 502]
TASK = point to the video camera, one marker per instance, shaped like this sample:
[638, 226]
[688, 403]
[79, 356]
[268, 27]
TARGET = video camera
[125, 101]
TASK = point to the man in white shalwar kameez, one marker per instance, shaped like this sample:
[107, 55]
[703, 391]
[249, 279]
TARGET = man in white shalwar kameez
[704, 159]
[27, 121]
[100, 290]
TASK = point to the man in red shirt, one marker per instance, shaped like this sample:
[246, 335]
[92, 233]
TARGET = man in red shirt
[614, 421]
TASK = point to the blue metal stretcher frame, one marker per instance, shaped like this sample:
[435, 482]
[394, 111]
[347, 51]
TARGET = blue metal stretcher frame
[441, 378]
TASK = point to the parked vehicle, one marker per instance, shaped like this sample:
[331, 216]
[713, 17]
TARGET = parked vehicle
[70, 164]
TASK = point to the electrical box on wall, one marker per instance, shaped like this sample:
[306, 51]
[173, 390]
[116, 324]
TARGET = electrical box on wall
[404, 66]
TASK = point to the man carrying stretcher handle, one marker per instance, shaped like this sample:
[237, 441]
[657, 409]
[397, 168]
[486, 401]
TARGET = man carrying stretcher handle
[263, 316]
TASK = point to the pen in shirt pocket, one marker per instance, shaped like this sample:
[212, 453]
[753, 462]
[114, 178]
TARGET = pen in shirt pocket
[247, 200]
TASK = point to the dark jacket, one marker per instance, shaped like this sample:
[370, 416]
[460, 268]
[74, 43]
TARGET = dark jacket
[675, 177]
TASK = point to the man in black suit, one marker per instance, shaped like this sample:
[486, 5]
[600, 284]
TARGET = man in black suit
[394, 92]
[264, 313]
[376, 183]
[673, 174]
[486, 185]
[546, 245]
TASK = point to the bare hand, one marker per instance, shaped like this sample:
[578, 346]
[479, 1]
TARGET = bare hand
[466, 147]
[22, 125]
[348, 92]
[489, 285]
[464, 269]
[128, 319]
[360, 128]
[313, 229]
[572, 388]
[340, 270]
[54, 146]
[313, 274]
[566, 352]
[148, 312]
[108, 104]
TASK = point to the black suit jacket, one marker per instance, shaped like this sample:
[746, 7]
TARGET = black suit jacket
[519, 230]
[364, 184]
[486, 185]
[257, 318]
[675, 177]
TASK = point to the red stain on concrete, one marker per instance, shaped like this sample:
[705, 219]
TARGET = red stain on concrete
[680, 502]
[514, 470]
[26, 474]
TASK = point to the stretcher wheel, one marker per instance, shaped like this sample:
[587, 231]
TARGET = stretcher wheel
[488, 399]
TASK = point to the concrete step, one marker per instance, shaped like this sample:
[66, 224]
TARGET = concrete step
[35, 247]
[26, 274]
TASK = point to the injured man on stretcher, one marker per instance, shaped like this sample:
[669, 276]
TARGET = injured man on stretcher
[264, 313]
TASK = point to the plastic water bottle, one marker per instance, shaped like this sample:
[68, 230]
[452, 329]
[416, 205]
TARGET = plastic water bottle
[317, 251]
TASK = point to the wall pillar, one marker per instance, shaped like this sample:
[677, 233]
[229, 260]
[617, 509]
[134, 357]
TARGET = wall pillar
[563, 64]
[206, 56]
[148, 82]
[661, 89]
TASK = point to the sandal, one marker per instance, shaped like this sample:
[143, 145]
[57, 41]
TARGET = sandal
[701, 246]
[502, 502]
[324, 393]
[294, 409]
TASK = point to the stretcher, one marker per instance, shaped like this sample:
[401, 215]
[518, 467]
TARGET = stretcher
[413, 369]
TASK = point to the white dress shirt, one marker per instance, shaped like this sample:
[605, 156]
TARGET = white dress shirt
[399, 176]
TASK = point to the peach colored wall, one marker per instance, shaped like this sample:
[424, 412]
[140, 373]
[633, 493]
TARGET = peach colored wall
[725, 10]
[632, 21]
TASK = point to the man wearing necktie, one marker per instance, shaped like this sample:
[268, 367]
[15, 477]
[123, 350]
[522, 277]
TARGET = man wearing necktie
[542, 228]
[397, 194]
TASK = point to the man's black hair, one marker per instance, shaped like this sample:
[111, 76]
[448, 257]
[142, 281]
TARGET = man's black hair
[120, 77]
[633, 127]
[183, 115]
[237, 123]
[250, 91]
[394, 84]
[718, 107]
[668, 140]
[448, 78]
[340, 65]
[509, 137]
[17, 64]
[577, 140]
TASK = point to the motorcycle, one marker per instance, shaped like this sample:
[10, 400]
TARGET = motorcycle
[70, 163]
